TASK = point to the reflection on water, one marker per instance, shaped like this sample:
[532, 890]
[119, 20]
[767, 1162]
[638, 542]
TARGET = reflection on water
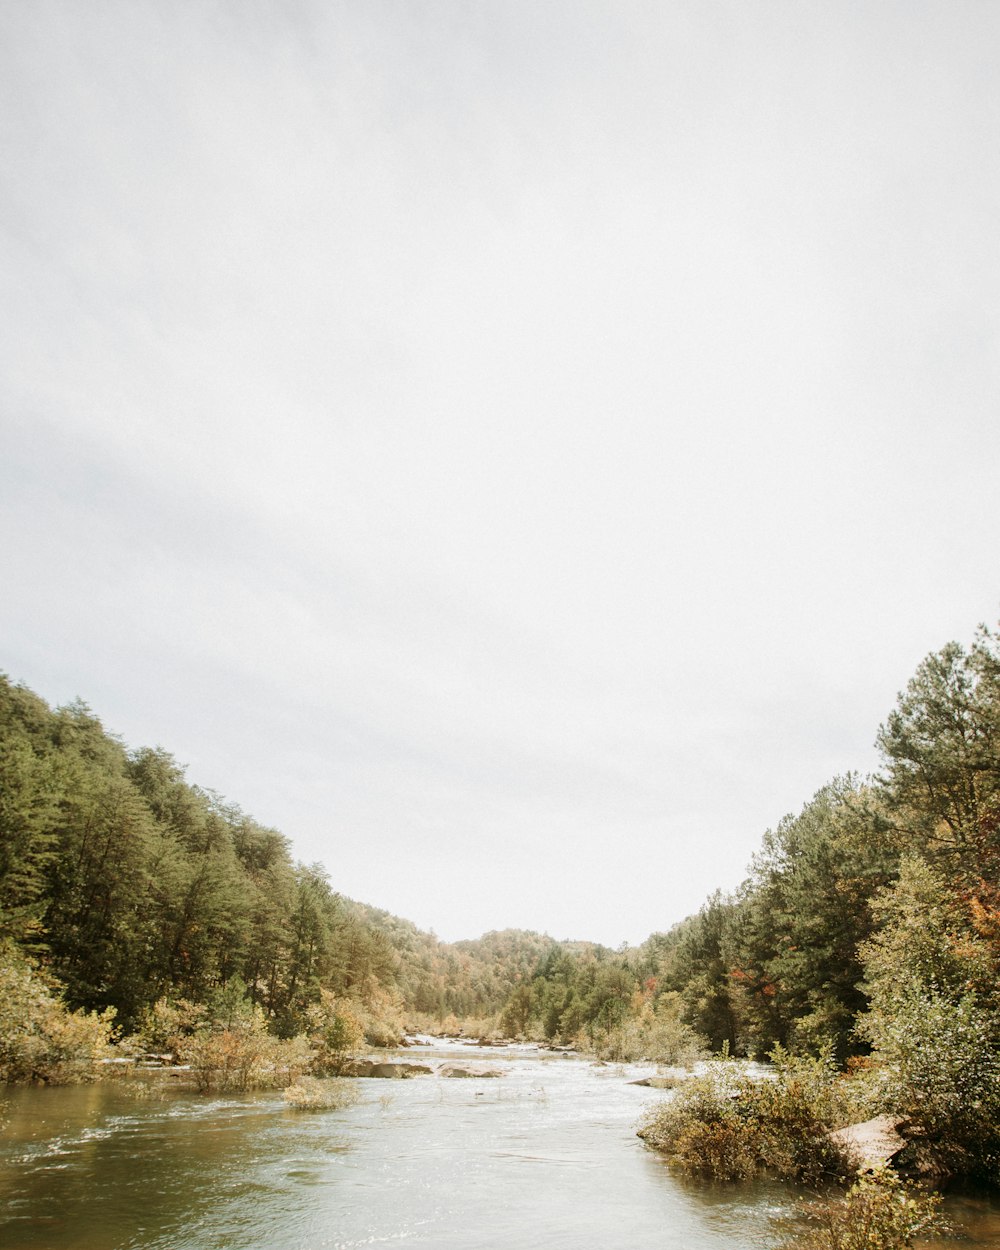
[545, 1156]
[976, 1219]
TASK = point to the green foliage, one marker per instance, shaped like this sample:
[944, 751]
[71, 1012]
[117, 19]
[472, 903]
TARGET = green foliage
[933, 1023]
[144, 893]
[492, 976]
[870, 920]
[942, 750]
[925, 939]
[939, 1066]
[696, 961]
[586, 995]
[40, 1038]
[656, 1033]
[381, 1014]
[731, 1125]
[878, 1212]
[28, 817]
[796, 969]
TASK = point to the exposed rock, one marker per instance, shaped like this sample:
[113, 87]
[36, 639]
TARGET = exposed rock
[872, 1143]
[462, 1070]
[657, 1082]
[386, 1071]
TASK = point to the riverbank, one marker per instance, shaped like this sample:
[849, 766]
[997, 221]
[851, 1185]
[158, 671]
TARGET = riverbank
[545, 1155]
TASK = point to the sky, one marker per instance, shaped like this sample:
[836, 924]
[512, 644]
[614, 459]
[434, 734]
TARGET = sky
[519, 450]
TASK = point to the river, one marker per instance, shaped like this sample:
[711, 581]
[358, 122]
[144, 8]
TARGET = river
[544, 1156]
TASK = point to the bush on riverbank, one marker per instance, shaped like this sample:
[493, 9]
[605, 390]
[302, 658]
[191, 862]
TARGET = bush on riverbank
[229, 1044]
[166, 1025]
[336, 1032]
[932, 973]
[730, 1125]
[477, 1028]
[380, 1014]
[242, 1058]
[938, 1068]
[879, 1212]
[236, 1051]
[40, 1038]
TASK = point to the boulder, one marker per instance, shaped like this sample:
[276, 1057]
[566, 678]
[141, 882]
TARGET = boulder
[872, 1143]
[386, 1071]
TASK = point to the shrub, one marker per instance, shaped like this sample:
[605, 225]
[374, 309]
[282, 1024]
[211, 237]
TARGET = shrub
[164, 1026]
[335, 1033]
[40, 1038]
[932, 1023]
[309, 1094]
[878, 1212]
[381, 1016]
[938, 1065]
[731, 1125]
[241, 1054]
[702, 1131]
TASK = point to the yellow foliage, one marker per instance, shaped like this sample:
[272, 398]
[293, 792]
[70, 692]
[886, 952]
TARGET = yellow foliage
[336, 1031]
[243, 1056]
[308, 1094]
[40, 1038]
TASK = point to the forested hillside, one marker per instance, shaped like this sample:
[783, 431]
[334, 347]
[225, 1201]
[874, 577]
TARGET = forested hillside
[126, 885]
[876, 908]
[867, 933]
[129, 887]
[869, 925]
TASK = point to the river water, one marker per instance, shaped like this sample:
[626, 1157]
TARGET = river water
[544, 1156]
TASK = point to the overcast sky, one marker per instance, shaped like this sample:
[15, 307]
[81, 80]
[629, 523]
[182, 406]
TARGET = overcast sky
[517, 449]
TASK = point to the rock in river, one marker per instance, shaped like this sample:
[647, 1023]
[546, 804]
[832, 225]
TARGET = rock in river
[467, 1069]
[387, 1071]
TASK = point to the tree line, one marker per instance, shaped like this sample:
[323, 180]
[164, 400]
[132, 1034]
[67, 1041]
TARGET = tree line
[867, 930]
[124, 885]
[881, 894]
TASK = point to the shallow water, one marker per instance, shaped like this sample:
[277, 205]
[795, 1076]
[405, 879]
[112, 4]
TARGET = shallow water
[544, 1156]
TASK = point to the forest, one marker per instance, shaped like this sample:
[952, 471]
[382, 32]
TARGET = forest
[139, 909]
